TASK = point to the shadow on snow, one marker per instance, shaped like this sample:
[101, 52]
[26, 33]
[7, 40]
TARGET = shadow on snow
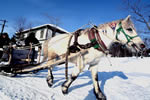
[103, 77]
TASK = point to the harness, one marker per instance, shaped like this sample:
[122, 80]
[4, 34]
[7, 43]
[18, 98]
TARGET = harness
[96, 40]
[128, 37]
[94, 37]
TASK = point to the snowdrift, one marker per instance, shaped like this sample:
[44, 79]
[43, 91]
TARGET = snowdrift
[126, 79]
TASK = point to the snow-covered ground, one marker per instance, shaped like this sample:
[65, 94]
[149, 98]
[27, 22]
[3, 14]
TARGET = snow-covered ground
[126, 79]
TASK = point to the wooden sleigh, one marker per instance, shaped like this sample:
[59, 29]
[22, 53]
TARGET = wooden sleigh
[19, 58]
[19, 61]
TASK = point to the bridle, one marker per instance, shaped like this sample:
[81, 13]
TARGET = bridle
[121, 30]
[128, 37]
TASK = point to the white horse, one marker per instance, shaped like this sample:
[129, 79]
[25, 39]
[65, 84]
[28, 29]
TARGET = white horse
[122, 31]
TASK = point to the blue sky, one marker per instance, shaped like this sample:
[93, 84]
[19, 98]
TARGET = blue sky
[72, 13]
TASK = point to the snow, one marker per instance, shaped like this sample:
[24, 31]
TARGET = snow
[126, 79]
[49, 25]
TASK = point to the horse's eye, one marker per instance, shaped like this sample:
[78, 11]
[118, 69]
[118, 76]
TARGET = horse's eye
[129, 29]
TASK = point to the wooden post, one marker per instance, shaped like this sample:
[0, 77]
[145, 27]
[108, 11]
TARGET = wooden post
[39, 55]
[29, 53]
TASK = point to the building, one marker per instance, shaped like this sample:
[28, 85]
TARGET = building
[44, 32]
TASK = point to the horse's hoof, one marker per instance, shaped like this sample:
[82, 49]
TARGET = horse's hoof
[65, 92]
[100, 96]
[49, 81]
[64, 89]
[103, 98]
[50, 85]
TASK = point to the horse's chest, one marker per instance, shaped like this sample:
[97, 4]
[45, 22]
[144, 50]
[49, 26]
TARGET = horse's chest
[93, 56]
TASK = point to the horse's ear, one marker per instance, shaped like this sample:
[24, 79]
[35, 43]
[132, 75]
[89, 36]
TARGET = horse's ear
[127, 19]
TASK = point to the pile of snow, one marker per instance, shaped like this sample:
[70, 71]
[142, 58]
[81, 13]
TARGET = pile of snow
[126, 79]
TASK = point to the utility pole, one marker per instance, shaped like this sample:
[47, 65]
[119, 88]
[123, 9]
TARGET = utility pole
[3, 25]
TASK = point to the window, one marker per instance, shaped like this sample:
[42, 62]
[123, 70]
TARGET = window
[42, 33]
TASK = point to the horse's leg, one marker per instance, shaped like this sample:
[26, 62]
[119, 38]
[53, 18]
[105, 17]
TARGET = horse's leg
[50, 77]
[77, 69]
[98, 93]
[68, 82]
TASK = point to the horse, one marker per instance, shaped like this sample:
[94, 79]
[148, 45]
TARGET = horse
[96, 41]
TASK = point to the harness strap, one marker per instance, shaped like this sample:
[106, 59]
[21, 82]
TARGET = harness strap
[93, 36]
[100, 40]
[96, 40]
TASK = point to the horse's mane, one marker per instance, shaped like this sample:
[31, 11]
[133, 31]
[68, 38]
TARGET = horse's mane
[85, 31]
[101, 26]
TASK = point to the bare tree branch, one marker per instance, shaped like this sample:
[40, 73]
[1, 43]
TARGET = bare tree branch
[140, 11]
[138, 19]
[53, 20]
[20, 24]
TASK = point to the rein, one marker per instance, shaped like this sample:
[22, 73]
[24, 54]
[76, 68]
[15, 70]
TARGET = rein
[128, 37]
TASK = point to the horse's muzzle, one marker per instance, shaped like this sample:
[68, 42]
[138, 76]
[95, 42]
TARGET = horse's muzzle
[142, 46]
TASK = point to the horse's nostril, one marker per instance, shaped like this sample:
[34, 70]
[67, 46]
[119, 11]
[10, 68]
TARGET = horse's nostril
[142, 45]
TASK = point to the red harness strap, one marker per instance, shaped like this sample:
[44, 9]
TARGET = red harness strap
[95, 37]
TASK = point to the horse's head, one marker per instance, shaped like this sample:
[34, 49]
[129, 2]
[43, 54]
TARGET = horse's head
[124, 32]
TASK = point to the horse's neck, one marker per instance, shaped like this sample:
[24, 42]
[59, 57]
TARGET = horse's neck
[83, 39]
[107, 36]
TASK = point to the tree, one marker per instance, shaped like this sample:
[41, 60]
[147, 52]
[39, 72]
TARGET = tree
[53, 20]
[140, 12]
[20, 24]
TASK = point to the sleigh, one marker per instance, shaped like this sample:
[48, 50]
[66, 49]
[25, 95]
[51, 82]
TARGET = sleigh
[16, 60]
[19, 61]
